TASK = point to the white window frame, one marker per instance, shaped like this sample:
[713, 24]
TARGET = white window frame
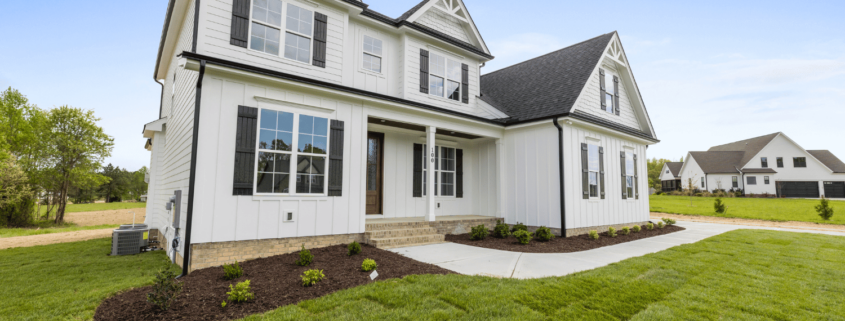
[364, 52]
[293, 175]
[608, 78]
[629, 177]
[282, 31]
[444, 73]
[702, 182]
[765, 180]
[590, 171]
[438, 171]
[748, 180]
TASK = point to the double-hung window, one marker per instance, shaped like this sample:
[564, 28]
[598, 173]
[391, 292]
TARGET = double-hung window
[608, 95]
[764, 162]
[702, 182]
[752, 180]
[298, 33]
[780, 162]
[734, 182]
[444, 77]
[291, 145]
[629, 172]
[799, 162]
[444, 171]
[594, 167]
[266, 21]
[372, 54]
[766, 180]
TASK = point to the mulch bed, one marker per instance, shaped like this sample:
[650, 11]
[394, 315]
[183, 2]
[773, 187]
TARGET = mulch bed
[275, 281]
[559, 244]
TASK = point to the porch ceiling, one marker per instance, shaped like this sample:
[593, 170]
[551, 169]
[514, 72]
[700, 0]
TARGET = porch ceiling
[443, 131]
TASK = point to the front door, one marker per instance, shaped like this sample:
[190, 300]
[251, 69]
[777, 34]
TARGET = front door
[375, 171]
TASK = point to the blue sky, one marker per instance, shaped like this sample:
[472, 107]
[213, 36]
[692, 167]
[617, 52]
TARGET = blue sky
[710, 72]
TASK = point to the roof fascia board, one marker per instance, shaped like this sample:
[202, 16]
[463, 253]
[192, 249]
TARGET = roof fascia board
[570, 120]
[170, 34]
[642, 115]
[636, 86]
[190, 62]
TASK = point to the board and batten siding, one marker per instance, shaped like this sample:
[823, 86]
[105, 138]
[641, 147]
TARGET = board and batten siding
[443, 22]
[383, 82]
[532, 180]
[412, 74]
[483, 188]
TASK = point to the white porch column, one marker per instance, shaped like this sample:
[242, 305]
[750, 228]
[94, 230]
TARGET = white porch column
[429, 141]
[500, 179]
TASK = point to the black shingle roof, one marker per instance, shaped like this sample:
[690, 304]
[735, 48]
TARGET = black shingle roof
[828, 159]
[547, 85]
[718, 161]
[675, 168]
[750, 147]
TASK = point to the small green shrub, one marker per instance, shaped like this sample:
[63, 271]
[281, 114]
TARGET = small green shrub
[625, 230]
[165, 290]
[669, 221]
[824, 209]
[311, 277]
[519, 227]
[240, 292]
[719, 206]
[649, 226]
[523, 236]
[636, 229]
[232, 271]
[223, 305]
[354, 248]
[501, 230]
[479, 233]
[660, 224]
[369, 265]
[594, 234]
[543, 234]
[611, 232]
[305, 257]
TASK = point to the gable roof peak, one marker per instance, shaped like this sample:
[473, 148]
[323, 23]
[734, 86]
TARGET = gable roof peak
[547, 54]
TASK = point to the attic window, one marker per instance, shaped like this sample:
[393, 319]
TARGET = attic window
[609, 87]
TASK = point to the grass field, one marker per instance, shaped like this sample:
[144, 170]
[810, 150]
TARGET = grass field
[47, 227]
[740, 275]
[772, 209]
[68, 281]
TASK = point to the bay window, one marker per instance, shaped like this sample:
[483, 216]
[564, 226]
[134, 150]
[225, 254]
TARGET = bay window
[278, 161]
[444, 77]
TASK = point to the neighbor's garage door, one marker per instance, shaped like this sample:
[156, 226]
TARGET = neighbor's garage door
[834, 189]
[799, 189]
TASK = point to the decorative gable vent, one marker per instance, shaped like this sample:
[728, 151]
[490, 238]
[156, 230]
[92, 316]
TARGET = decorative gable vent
[453, 8]
[615, 51]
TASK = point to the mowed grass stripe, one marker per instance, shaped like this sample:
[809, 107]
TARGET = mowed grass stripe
[742, 275]
[770, 209]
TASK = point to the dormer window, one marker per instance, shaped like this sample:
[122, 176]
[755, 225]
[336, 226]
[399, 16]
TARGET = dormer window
[444, 77]
[372, 54]
[298, 35]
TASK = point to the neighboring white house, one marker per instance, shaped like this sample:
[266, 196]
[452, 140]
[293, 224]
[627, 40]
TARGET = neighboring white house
[670, 176]
[772, 164]
[285, 122]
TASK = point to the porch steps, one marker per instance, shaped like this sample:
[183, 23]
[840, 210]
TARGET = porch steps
[401, 234]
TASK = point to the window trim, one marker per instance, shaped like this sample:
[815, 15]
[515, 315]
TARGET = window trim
[702, 182]
[795, 164]
[734, 181]
[293, 153]
[437, 171]
[364, 52]
[597, 171]
[629, 156]
[779, 162]
[764, 162]
[282, 30]
[749, 178]
[765, 180]
[608, 76]
[444, 75]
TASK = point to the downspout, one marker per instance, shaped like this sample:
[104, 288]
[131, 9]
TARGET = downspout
[186, 256]
[706, 183]
[560, 170]
[741, 178]
[161, 100]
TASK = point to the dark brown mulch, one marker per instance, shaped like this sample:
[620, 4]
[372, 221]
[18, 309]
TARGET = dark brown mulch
[275, 281]
[559, 244]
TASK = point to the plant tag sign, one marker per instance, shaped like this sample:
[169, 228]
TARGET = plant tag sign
[373, 275]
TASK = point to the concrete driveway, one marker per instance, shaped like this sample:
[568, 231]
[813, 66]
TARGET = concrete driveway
[471, 260]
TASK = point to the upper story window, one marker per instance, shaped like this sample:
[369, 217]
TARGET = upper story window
[444, 77]
[265, 29]
[764, 162]
[444, 171]
[609, 92]
[667, 171]
[799, 162]
[278, 161]
[298, 35]
[372, 54]
[780, 162]
[594, 167]
[266, 21]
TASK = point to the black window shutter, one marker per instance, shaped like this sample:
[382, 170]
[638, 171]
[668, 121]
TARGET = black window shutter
[616, 94]
[418, 169]
[245, 150]
[624, 177]
[602, 89]
[240, 23]
[601, 171]
[636, 179]
[585, 172]
[459, 173]
[320, 37]
[423, 71]
[336, 159]
[465, 83]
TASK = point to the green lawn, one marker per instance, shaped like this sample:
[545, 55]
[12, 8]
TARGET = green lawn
[740, 275]
[68, 281]
[47, 227]
[772, 209]
[73, 208]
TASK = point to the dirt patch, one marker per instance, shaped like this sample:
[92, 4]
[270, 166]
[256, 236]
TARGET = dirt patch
[106, 217]
[750, 222]
[274, 280]
[45, 239]
[559, 244]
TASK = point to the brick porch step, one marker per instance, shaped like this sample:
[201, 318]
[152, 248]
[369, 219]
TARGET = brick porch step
[382, 234]
[396, 226]
[393, 242]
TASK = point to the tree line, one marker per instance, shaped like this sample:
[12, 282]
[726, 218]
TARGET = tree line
[48, 157]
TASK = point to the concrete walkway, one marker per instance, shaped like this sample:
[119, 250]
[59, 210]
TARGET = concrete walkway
[471, 260]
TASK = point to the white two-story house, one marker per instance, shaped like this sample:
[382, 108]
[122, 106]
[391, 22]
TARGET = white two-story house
[290, 122]
[773, 164]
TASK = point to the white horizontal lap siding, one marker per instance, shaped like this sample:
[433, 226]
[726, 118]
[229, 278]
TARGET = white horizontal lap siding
[613, 209]
[440, 21]
[412, 70]
[219, 216]
[590, 100]
[532, 180]
[215, 34]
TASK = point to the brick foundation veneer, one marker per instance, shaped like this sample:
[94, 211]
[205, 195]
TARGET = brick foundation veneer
[205, 255]
[584, 230]
[461, 226]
